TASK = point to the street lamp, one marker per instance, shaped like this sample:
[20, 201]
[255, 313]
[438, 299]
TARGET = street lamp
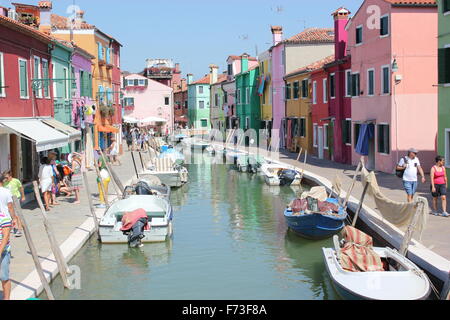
[394, 65]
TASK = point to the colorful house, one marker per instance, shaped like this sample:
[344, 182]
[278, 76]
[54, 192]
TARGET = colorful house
[145, 98]
[444, 80]
[339, 99]
[106, 76]
[217, 100]
[247, 99]
[180, 97]
[199, 102]
[394, 93]
[288, 55]
[265, 90]
[164, 71]
[323, 132]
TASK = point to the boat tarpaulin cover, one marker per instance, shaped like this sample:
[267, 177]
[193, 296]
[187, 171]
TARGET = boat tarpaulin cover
[358, 254]
[129, 219]
[366, 132]
[45, 137]
[398, 213]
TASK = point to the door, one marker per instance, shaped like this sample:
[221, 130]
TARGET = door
[371, 156]
[320, 141]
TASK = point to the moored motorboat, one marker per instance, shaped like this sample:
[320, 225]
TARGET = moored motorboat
[360, 271]
[168, 172]
[280, 175]
[152, 214]
[171, 153]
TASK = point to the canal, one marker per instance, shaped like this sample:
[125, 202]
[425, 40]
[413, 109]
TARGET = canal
[230, 242]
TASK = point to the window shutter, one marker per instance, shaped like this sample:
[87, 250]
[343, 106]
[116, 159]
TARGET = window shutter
[136, 82]
[23, 79]
[442, 65]
[146, 82]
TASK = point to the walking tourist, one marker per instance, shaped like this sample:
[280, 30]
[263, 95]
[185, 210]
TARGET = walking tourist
[439, 186]
[129, 139]
[5, 248]
[46, 180]
[105, 179]
[77, 179]
[15, 187]
[53, 156]
[410, 165]
[113, 153]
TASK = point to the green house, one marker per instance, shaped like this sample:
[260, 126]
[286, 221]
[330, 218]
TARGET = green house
[247, 98]
[62, 85]
[444, 80]
[199, 103]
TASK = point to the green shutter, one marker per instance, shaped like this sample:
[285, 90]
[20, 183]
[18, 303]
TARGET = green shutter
[23, 79]
[441, 64]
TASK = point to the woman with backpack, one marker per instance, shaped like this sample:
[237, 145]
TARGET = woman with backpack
[439, 186]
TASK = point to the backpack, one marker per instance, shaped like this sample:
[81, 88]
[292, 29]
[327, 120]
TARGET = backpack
[400, 173]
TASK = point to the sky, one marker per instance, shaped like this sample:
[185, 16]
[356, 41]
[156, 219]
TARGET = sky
[197, 33]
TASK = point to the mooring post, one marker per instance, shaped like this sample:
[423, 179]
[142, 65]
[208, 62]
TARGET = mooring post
[60, 261]
[134, 164]
[91, 204]
[33, 251]
[361, 202]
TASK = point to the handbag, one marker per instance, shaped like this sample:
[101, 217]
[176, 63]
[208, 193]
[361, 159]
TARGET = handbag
[400, 173]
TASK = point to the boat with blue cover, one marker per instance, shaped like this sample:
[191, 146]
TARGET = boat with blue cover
[317, 224]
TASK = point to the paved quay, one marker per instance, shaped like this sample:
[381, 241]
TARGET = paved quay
[72, 224]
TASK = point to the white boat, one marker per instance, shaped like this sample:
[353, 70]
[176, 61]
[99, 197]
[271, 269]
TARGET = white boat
[276, 175]
[159, 213]
[403, 281]
[170, 174]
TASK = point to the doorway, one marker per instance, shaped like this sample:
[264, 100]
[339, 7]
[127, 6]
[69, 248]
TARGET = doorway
[320, 142]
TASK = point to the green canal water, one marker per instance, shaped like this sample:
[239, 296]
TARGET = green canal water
[230, 242]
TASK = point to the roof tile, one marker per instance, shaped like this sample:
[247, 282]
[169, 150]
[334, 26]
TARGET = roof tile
[313, 35]
[313, 66]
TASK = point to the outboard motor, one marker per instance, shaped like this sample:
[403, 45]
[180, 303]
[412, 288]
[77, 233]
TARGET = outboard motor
[143, 189]
[286, 177]
[133, 225]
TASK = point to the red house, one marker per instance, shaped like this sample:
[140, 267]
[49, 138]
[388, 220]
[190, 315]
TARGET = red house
[339, 94]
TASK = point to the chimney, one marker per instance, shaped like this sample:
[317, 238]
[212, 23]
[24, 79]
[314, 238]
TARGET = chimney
[341, 17]
[45, 12]
[177, 68]
[3, 11]
[80, 15]
[213, 73]
[190, 78]
[277, 33]
[244, 62]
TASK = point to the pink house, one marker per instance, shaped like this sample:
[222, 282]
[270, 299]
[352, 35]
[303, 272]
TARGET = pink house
[145, 98]
[393, 48]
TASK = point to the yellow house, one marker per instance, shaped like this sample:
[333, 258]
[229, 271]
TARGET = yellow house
[105, 79]
[299, 127]
[265, 62]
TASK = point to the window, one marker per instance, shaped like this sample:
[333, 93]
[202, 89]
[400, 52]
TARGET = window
[348, 83]
[247, 95]
[355, 85]
[23, 78]
[101, 95]
[247, 123]
[129, 101]
[305, 89]
[200, 89]
[204, 123]
[385, 80]
[225, 97]
[37, 76]
[201, 104]
[302, 128]
[166, 101]
[384, 26]
[230, 69]
[383, 138]
[100, 51]
[332, 86]
[359, 34]
[315, 92]
[347, 131]
[141, 82]
[296, 90]
[2, 77]
[325, 91]
[325, 136]
[315, 135]
[357, 127]
[370, 82]
[216, 100]
[288, 91]
[444, 65]
[238, 96]
[130, 83]
[445, 9]
[46, 76]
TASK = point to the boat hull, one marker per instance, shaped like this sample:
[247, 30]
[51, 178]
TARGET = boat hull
[315, 226]
[109, 235]
[170, 179]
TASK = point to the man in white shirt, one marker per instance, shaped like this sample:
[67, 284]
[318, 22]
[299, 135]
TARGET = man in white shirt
[411, 166]
[6, 201]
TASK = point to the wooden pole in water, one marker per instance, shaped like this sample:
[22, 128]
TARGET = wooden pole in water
[33, 251]
[102, 187]
[91, 204]
[349, 192]
[60, 261]
[142, 161]
[134, 163]
[114, 176]
[361, 201]
[410, 231]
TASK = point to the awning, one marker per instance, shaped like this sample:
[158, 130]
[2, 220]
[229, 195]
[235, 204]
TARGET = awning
[74, 134]
[181, 119]
[45, 137]
[131, 120]
[153, 119]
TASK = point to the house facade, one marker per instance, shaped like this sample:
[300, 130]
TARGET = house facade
[217, 100]
[444, 80]
[290, 54]
[149, 99]
[394, 97]
[180, 97]
[265, 90]
[199, 103]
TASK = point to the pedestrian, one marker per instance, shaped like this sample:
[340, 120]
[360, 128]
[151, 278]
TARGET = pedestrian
[439, 186]
[46, 180]
[113, 153]
[15, 187]
[410, 165]
[53, 162]
[77, 179]
[5, 248]
[105, 179]
[129, 138]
